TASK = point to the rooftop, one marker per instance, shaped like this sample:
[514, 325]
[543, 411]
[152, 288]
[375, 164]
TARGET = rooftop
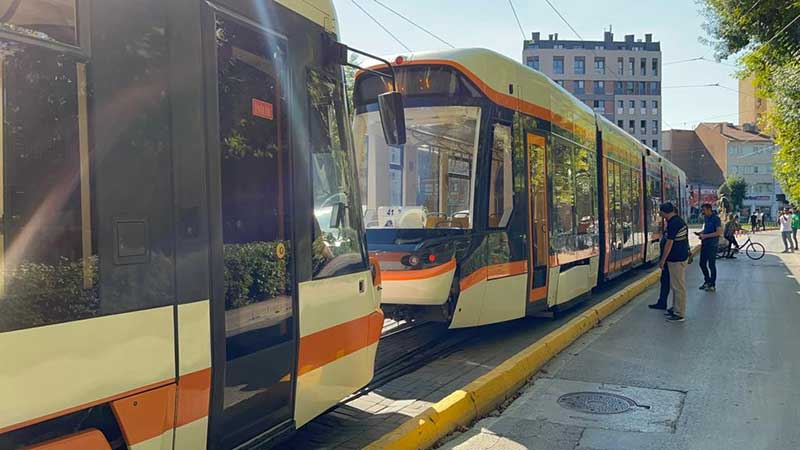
[608, 43]
[737, 133]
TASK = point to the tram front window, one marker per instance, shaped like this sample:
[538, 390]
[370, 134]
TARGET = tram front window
[427, 183]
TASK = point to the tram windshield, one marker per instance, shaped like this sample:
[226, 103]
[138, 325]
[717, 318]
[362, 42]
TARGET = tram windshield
[427, 183]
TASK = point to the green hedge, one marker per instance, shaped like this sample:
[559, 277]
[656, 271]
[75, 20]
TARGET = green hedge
[253, 272]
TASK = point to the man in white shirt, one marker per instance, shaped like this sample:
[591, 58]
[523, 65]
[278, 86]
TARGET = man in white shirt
[760, 216]
[785, 220]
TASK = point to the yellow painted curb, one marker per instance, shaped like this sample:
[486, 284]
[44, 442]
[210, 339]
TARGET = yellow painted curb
[484, 394]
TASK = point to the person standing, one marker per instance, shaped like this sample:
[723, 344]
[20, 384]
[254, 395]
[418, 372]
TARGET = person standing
[663, 295]
[675, 259]
[795, 225]
[753, 222]
[761, 225]
[709, 243]
[731, 227]
[785, 221]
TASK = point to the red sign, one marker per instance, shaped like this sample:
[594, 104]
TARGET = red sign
[262, 109]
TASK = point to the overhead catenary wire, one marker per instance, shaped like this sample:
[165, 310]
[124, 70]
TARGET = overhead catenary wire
[553, 7]
[519, 24]
[408, 49]
[425, 30]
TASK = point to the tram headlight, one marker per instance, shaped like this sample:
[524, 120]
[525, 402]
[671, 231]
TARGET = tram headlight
[413, 260]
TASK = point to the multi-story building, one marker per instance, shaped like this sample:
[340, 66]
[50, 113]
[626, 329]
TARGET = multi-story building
[751, 105]
[713, 151]
[619, 79]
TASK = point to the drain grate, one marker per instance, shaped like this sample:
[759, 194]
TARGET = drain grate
[596, 402]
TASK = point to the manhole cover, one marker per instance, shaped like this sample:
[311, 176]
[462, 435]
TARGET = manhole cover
[596, 402]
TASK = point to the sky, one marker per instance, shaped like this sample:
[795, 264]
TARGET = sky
[677, 24]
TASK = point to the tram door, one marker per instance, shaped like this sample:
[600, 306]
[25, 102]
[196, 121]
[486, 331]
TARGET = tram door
[259, 331]
[537, 196]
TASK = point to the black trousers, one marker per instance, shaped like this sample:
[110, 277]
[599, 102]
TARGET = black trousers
[708, 261]
[663, 296]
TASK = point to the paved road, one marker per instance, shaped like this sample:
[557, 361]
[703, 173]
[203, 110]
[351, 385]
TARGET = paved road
[728, 378]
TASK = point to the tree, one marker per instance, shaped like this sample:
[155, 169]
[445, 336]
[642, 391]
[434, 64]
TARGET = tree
[735, 188]
[350, 79]
[768, 34]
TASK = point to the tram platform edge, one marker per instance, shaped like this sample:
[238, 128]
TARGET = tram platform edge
[485, 394]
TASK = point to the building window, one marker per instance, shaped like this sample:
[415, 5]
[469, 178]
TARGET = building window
[580, 86]
[632, 125]
[558, 45]
[643, 66]
[655, 106]
[643, 107]
[620, 107]
[619, 87]
[533, 62]
[599, 87]
[755, 169]
[599, 106]
[644, 141]
[632, 106]
[642, 88]
[599, 47]
[621, 123]
[558, 65]
[643, 127]
[629, 88]
[655, 67]
[580, 65]
[560, 82]
[655, 144]
[655, 126]
[632, 66]
[655, 88]
[600, 66]
[621, 65]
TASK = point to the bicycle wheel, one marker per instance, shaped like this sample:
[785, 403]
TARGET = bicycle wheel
[755, 251]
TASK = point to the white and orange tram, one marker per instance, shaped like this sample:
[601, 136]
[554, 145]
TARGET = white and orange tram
[511, 197]
[182, 255]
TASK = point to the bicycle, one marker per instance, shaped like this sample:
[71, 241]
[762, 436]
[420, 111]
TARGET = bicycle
[753, 250]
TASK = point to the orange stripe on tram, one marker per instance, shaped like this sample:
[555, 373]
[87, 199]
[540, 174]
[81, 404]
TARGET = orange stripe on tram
[91, 439]
[147, 415]
[507, 269]
[194, 391]
[419, 274]
[328, 345]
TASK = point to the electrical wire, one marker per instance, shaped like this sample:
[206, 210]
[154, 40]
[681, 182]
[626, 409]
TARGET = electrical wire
[382, 27]
[425, 30]
[553, 7]
[519, 24]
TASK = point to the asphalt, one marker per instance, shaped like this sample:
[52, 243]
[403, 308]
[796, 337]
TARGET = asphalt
[727, 378]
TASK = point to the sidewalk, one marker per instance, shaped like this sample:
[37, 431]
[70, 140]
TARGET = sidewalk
[727, 378]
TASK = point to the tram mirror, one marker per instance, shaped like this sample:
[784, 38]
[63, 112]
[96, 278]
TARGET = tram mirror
[337, 215]
[393, 117]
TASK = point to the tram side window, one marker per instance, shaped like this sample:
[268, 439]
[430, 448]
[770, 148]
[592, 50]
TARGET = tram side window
[585, 194]
[52, 20]
[563, 226]
[501, 185]
[337, 246]
[48, 264]
[654, 190]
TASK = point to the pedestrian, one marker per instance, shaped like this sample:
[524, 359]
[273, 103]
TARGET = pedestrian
[731, 227]
[795, 225]
[675, 259]
[663, 295]
[761, 224]
[753, 221]
[709, 243]
[785, 221]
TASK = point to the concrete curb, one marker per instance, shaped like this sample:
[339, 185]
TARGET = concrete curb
[485, 394]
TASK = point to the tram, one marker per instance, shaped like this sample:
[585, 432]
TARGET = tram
[511, 197]
[182, 253]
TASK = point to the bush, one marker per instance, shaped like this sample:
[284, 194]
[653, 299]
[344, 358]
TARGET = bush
[253, 273]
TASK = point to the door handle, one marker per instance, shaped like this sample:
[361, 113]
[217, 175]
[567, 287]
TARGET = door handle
[362, 286]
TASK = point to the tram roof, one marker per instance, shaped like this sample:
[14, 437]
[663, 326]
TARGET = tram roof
[533, 92]
[321, 12]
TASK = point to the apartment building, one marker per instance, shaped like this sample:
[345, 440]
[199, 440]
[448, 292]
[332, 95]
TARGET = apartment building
[713, 151]
[619, 79]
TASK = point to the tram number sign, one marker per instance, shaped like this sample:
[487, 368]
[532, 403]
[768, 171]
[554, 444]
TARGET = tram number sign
[262, 109]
